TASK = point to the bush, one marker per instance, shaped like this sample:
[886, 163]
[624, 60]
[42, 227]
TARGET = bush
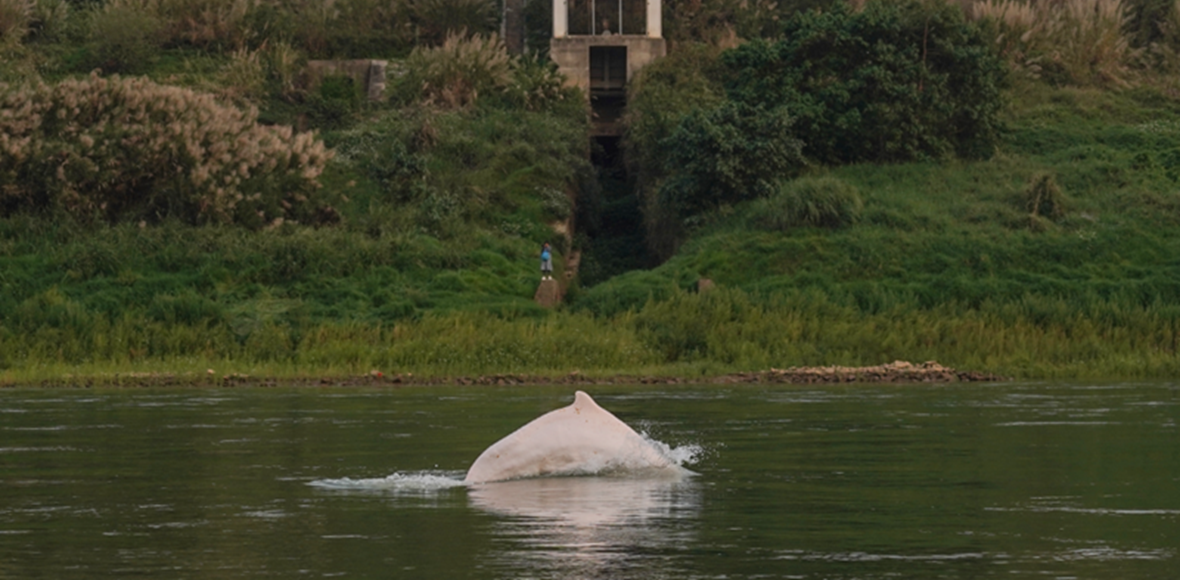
[49, 20]
[1080, 42]
[370, 28]
[453, 75]
[124, 39]
[284, 64]
[439, 20]
[893, 82]
[129, 149]
[15, 16]
[810, 201]
[538, 86]
[244, 76]
[201, 23]
[723, 22]
[1043, 197]
[659, 97]
[733, 153]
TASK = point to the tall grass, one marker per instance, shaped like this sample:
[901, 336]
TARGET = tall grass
[15, 16]
[201, 23]
[454, 74]
[688, 335]
[1072, 42]
[810, 201]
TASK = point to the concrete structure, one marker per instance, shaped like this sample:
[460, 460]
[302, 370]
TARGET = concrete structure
[599, 44]
[548, 293]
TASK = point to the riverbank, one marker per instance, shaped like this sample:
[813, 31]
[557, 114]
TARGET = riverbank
[950, 260]
[896, 372]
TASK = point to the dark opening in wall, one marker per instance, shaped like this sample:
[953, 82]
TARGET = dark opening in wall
[608, 88]
[613, 225]
[608, 69]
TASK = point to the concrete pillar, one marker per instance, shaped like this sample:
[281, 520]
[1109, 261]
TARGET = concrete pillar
[654, 25]
[375, 84]
[561, 18]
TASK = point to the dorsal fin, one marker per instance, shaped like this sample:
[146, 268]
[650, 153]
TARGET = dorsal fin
[581, 398]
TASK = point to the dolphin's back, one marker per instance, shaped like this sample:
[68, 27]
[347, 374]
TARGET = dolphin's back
[582, 438]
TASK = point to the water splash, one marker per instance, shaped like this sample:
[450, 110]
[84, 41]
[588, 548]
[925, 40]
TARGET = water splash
[682, 455]
[426, 482]
[413, 482]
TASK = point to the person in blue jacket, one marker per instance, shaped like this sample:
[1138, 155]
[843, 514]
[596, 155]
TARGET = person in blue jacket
[546, 263]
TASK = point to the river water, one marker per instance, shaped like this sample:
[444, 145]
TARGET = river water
[1010, 480]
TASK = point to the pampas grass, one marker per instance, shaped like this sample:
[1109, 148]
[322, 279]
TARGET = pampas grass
[1073, 41]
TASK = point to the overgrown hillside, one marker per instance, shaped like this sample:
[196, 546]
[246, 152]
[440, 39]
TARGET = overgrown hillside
[1008, 206]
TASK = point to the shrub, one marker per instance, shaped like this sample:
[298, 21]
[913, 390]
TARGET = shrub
[439, 20]
[336, 102]
[537, 85]
[893, 82]
[49, 19]
[284, 63]
[723, 22]
[819, 202]
[1148, 22]
[658, 98]
[124, 38]
[244, 76]
[15, 16]
[129, 149]
[732, 153]
[369, 28]
[1043, 197]
[453, 75]
[313, 22]
[810, 201]
[1072, 42]
[200, 23]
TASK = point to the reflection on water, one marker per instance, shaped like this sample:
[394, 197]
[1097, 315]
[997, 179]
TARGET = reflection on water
[590, 527]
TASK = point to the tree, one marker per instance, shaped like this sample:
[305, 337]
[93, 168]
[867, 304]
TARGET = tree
[732, 153]
[892, 82]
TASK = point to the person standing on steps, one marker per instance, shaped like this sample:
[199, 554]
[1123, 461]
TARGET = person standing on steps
[546, 262]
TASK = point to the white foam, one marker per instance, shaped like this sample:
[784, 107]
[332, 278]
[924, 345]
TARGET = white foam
[626, 464]
[682, 456]
[420, 481]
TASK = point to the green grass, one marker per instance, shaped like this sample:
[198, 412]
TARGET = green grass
[945, 263]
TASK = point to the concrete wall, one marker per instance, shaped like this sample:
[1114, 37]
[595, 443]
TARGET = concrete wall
[572, 54]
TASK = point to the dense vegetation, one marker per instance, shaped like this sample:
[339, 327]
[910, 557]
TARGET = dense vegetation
[1012, 211]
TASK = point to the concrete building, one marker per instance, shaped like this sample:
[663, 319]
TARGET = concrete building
[599, 44]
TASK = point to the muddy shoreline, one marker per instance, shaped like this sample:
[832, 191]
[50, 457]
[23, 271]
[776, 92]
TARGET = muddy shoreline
[898, 372]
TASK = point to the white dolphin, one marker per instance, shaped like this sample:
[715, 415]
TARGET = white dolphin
[581, 439]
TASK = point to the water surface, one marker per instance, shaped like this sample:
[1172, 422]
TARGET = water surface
[1048, 480]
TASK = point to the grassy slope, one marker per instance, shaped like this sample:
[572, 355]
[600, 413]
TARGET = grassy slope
[946, 265]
